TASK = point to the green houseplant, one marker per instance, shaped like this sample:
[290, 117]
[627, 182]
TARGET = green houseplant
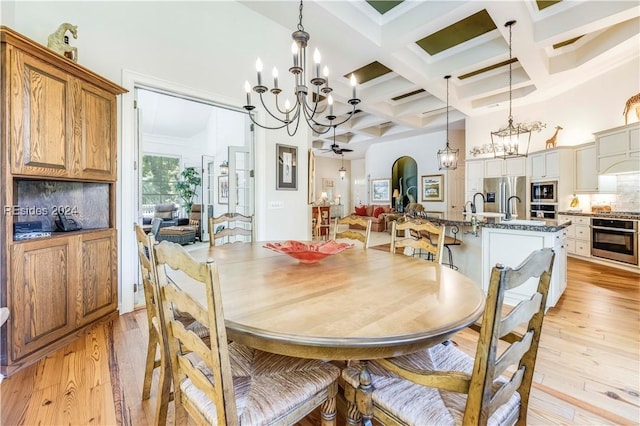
[186, 186]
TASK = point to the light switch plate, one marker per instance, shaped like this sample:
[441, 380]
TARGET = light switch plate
[276, 204]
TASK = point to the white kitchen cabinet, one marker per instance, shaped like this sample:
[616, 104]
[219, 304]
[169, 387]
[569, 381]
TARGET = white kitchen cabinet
[578, 235]
[556, 164]
[497, 167]
[618, 149]
[586, 176]
[511, 247]
[475, 175]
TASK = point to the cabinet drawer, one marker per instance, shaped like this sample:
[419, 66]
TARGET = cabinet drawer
[570, 231]
[583, 232]
[583, 248]
[581, 220]
[571, 245]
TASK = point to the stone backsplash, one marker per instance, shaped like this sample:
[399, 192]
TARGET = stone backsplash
[628, 193]
[37, 200]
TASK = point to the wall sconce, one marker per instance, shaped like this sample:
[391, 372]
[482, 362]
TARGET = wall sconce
[224, 167]
[342, 171]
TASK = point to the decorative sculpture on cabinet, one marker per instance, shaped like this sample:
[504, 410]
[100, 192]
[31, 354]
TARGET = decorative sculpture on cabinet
[551, 142]
[59, 42]
[632, 103]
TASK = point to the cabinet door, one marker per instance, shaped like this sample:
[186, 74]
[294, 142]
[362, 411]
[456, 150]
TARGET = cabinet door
[515, 167]
[538, 166]
[494, 168]
[40, 117]
[552, 164]
[586, 176]
[94, 154]
[41, 289]
[98, 285]
[475, 176]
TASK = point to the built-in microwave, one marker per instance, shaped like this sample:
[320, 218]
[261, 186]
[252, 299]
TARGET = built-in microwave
[544, 192]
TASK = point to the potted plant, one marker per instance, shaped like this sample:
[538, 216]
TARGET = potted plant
[186, 187]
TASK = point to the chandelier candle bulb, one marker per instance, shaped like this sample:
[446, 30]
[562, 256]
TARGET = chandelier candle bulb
[316, 60]
[325, 73]
[275, 77]
[330, 102]
[294, 52]
[353, 85]
[247, 88]
[259, 70]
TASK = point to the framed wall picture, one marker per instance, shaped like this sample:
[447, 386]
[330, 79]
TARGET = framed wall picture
[223, 189]
[287, 167]
[433, 188]
[311, 181]
[380, 190]
[328, 183]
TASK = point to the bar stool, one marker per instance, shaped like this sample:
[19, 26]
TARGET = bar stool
[452, 241]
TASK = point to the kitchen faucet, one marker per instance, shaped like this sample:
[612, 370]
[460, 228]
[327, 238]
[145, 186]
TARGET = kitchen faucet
[508, 212]
[473, 203]
[464, 209]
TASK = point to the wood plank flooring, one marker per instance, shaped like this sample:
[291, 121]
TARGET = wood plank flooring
[587, 373]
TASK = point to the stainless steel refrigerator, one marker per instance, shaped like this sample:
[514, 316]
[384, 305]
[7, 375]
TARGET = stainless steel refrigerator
[499, 191]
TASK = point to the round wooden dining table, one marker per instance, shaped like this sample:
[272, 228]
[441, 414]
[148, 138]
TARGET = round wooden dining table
[357, 304]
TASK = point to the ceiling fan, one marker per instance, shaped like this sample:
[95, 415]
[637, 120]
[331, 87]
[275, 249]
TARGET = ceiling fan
[335, 147]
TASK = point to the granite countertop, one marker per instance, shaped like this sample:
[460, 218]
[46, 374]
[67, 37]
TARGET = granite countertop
[612, 215]
[451, 218]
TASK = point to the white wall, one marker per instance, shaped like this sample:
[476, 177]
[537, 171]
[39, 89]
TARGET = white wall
[594, 106]
[424, 150]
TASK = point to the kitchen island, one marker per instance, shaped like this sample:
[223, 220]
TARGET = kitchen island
[508, 243]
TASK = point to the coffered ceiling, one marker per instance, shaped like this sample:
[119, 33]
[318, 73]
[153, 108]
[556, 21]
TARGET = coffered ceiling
[400, 52]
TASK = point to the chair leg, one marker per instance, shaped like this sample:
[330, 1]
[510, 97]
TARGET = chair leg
[451, 265]
[353, 416]
[328, 409]
[164, 395]
[150, 363]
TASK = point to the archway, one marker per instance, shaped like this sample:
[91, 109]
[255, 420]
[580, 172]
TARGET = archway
[404, 178]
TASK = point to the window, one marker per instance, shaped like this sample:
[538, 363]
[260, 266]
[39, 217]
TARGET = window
[159, 173]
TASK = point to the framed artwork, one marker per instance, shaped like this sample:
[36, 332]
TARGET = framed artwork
[380, 190]
[433, 188]
[287, 167]
[223, 189]
[434, 214]
[311, 187]
[328, 183]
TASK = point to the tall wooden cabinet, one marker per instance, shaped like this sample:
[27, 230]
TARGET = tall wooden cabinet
[58, 134]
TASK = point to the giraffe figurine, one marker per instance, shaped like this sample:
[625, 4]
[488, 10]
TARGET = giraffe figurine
[632, 102]
[551, 142]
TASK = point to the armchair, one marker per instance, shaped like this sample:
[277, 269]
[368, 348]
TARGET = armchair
[168, 212]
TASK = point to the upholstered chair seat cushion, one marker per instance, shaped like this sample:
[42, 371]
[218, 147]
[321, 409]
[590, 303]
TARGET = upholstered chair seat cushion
[420, 405]
[257, 376]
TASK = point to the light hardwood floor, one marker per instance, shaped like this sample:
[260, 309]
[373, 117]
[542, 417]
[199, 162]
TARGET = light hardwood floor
[587, 373]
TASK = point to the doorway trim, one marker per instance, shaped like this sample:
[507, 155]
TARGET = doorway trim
[128, 170]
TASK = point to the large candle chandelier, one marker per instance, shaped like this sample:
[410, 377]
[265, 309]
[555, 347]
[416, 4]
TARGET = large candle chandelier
[287, 115]
[513, 139]
[447, 157]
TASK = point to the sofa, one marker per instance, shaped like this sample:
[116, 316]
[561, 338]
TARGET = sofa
[376, 213]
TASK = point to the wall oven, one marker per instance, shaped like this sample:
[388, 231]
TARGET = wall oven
[546, 211]
[544, 192]
[615, 239]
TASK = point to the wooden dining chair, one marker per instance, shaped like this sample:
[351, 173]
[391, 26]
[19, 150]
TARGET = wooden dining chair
[353, 234]
[229, 228]
[442, 385]
[419, 235]
[156, 350]
[229, 383]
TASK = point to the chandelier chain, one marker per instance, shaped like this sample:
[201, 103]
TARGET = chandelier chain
[447, 110]
[510, 71]
[300, 27]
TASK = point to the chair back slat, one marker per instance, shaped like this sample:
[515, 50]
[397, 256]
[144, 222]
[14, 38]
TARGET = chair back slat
[215, 355]
[363, 236]
[423, 235]
[484, 398]
[235, 225]
[522, 313]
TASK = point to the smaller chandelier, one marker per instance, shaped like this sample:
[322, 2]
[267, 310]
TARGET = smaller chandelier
[309, 107]
[447, 157]
[224, 167]
[342, 171]
[512, 140]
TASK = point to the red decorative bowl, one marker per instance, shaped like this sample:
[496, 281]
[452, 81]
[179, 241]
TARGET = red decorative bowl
[308, 252]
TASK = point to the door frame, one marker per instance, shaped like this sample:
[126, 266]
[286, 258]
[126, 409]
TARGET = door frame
[128, 171]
